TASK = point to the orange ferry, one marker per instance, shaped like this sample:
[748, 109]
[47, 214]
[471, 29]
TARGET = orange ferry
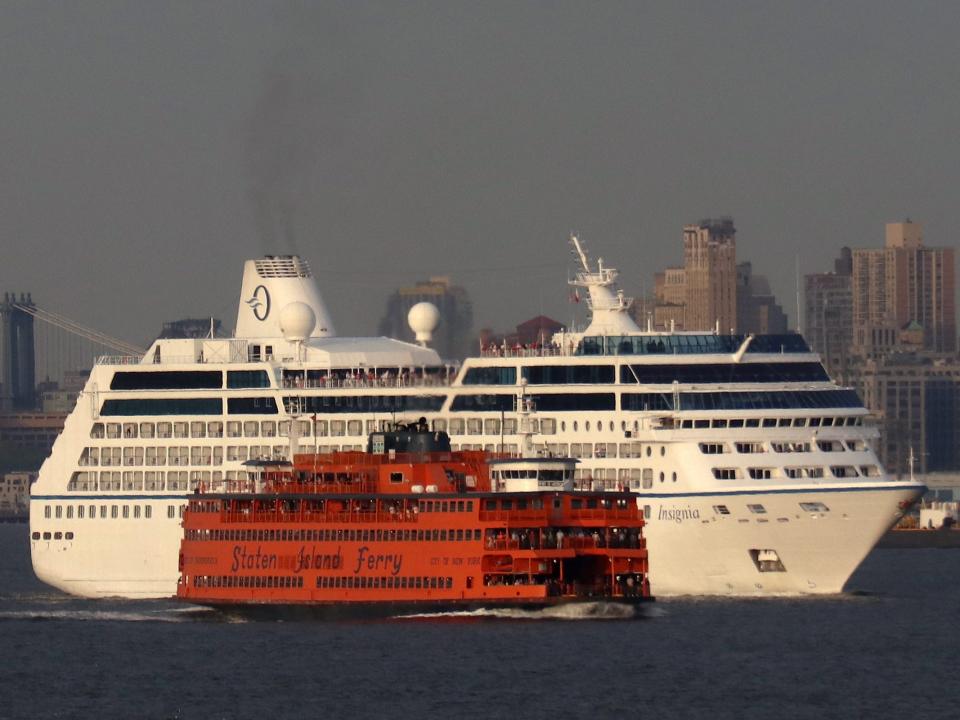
[410, 526]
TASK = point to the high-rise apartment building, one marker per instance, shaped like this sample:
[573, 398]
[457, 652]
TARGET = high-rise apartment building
[758, 311]
[915, 398]
[710, 273]
[454, 335]
[828, 315]
[904, 286]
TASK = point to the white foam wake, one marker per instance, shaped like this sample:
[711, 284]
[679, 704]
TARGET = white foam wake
[571, 611]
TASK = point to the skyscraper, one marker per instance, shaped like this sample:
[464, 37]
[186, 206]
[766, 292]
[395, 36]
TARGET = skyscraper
[828, 315]
[710, 272]
[453, 336]
[901, 285]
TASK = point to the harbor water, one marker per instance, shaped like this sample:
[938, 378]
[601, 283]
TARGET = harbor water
[885, 648]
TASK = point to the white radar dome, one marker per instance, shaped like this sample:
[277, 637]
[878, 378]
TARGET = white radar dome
[423, 319]
[297, 321]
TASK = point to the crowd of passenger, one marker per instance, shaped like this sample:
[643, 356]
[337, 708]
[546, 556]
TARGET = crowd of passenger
[560, 538]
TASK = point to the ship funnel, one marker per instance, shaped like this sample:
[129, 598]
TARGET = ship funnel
[272, 284]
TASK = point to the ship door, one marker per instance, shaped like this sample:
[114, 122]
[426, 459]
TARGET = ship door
[469, 582]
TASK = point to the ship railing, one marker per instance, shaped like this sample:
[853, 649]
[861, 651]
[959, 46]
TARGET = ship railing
[367, 382]
[518, 351]
[319, 516]
[119, 359]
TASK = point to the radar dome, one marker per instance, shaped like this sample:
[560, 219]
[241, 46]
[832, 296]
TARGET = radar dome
[297, 321]
[423, 319]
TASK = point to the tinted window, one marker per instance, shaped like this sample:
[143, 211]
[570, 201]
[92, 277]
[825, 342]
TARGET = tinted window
[167, 380]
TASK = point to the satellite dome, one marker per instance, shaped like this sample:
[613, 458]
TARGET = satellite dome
[423, 319]
[297, 321]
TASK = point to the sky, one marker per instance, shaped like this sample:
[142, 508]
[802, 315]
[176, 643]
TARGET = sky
[148, 149]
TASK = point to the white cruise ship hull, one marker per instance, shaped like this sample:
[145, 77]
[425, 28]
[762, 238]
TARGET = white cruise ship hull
[693, 549]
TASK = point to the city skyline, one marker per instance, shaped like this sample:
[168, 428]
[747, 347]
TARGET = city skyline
[151, 149]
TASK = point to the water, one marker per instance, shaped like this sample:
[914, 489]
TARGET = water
[886, 648]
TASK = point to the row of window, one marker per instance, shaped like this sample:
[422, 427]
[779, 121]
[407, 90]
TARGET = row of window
[719, 448]
[772, 422]
[689, 344]
[106, 511]
[766, 473]
[659, 374]
[333, 535]
[758, 509]
[390, 582]
[544, 402]
[248, 581]
[152, 480]
[187, 379]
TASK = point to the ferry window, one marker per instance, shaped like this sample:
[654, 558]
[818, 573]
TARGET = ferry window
[126, 511]
[753, 422]
[663, 450]
[674, 477]
[661, 477]
[646, 512]
[736, 423]
[47, 536]
[701, 423]
[460, 506]
[103, 512]
[507, 504]
[170, 511]
[443, 535]
[814, 422]
[58, 512]
[147, 511]
[488, 505]
[35, 536]
[757, 509]
[649, 451]
[814, 507]
[58, 536]
[114, 512]
[46, 511]
[69, 512]
[80, 512]
[769, 422]
[721, 510]
[476, 534]
[97, 430]
[443, 506]
[396, 477]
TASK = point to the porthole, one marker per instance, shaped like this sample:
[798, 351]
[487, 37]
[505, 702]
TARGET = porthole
[661, 477]
[574, 425]
[586, 426]
[648, 451]
[663, 450]
[611, 426]
[563, 426]
[674, 477]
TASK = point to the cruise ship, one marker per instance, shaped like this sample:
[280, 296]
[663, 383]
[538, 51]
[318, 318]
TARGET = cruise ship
[756, 473]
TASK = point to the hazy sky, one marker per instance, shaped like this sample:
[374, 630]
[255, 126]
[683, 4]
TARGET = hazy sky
[147, 149]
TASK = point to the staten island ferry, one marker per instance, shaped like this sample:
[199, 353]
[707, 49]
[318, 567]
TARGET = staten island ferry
[411, 526]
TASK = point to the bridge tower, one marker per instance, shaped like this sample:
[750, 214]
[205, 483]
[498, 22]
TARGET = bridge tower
[17, 354]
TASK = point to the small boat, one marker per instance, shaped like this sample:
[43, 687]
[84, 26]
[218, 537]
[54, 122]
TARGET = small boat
[410, 526]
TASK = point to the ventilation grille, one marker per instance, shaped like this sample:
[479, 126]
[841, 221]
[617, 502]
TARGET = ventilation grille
[283, 266]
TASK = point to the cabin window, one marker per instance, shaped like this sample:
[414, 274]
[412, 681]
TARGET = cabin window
[396, 477]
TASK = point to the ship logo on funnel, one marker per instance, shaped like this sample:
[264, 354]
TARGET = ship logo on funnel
[260, 303]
